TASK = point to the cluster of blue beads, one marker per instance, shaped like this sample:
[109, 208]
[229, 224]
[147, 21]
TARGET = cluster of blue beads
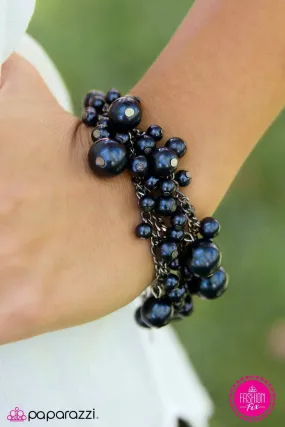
[187, 267]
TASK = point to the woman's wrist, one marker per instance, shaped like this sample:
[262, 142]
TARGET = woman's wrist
[117, 216]
[200, 97]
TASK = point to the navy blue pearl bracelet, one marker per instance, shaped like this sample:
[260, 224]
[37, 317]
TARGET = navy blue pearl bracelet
[186, 260]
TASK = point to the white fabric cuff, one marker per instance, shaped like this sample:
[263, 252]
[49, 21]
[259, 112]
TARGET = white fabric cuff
[14, 19]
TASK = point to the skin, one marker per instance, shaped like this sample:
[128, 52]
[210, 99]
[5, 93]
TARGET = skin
[68, 253]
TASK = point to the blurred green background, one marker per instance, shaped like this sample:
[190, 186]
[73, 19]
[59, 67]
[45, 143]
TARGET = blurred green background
[112, 43]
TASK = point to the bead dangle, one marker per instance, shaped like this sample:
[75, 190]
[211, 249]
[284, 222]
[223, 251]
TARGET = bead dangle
[187, 262]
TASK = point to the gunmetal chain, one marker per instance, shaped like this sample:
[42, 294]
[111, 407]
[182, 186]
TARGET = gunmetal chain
[186, 261]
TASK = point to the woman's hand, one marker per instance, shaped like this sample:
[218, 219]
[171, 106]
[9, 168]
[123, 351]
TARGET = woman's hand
[68, 253]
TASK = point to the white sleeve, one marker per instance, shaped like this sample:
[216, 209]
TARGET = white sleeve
[15, 16]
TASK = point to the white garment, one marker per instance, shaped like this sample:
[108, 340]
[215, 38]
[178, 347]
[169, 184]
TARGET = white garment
[14, 19]
[131, 376]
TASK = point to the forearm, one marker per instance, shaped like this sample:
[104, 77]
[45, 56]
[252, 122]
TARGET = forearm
[69, 249]
[219, 84]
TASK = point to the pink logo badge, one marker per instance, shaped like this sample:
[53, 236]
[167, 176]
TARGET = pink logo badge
[252, 398]
[16, 416]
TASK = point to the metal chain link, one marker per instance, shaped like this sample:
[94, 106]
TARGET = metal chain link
[159, 227]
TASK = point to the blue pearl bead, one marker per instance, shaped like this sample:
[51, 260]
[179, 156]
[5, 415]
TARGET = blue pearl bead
[188, 308]
[182, 423]
[145, 144]
[100, 133]
[157, 312]
[174, 264]
[165, 206]
[139, 166]
[171, 282]
[112, 95]
[124, 138]
[168, 251]
[155, 132]
[103, 121]
[183, 178]
[178, 221]
[203, 258]
[90, 117]
[209, 227]
[97, 102]
[107, 157]
[167, 187]
[138, 318]
[163, 162]
[214, 286]
[125, 113]
[151, 183]
[177, 145]
[91, 94]
[177, 295]
[147, 203]
[175, 235]
[143, 231]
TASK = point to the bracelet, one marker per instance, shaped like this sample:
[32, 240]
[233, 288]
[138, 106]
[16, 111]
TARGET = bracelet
[186, 260]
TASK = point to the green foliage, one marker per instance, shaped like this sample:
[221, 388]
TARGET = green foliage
[112, 43]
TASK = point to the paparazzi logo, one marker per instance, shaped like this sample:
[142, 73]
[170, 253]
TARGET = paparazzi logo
[252, 398]
[17, 415]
